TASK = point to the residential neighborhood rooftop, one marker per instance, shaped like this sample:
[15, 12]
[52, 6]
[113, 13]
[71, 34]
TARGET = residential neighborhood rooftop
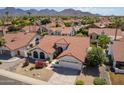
[18, 40]
[75, 45]
[32, 28]
[118, 51]
[106, 31]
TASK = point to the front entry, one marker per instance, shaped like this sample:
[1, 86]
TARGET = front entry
[42, 56]
[18, 53]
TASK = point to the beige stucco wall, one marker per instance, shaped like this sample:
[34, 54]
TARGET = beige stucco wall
[39, 50]
[33, 41]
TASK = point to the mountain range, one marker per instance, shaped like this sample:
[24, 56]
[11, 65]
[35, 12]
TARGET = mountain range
[45, 12]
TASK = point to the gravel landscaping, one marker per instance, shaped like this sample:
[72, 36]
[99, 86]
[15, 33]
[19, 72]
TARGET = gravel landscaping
[116, 79]
[41, 74]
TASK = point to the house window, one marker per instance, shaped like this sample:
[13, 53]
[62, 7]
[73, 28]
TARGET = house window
[31, 45]
[37, 41]
[59, 50]
[42, 55]
[35, 54]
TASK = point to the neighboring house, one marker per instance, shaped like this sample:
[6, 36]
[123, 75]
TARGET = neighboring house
[70, 51]
[94, 33]
[32, 28]
[116, 50]
[7, 23]
[104, 22]
[75, 22]
[64, 31]
[18, 44]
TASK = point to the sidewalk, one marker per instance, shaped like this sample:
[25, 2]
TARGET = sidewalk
[22, 78]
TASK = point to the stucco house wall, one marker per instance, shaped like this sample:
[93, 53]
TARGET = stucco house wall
[38, 51]
[33, 41]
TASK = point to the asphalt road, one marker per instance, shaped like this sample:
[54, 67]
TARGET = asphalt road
[7, 81]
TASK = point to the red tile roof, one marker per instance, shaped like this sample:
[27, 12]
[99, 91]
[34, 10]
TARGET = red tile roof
[118, 51]
[107, 31]
[62, 41]
[18, 40]
[77, 46]
[32, 28]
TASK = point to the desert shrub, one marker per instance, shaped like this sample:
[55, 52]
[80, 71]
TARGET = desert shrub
[25, 64]
[67, 24]
[32, 68]
[79, 82]
[99, 81]
[0, 63]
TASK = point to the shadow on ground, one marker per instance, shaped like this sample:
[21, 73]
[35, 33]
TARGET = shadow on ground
[93, 71]
[66, 71]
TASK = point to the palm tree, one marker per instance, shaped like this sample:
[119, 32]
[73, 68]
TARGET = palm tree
[117, 22]
[29, 15]
[2, 41]
[7, 15]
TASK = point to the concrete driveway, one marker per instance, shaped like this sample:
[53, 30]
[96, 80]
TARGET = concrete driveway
[63, 76]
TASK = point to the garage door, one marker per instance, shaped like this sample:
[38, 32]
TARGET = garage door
[6, 52]
[73, 65]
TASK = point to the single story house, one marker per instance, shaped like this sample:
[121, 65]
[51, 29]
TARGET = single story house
[116, 50]
[110, 32]
[69, 51]
[32, 28]
[64, 31]
[18, 44]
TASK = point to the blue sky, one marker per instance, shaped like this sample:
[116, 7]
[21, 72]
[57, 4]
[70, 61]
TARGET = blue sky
[95, 10]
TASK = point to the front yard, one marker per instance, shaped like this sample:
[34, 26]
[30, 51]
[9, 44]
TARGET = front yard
[90, 73]
[41, 74]
[117, 79]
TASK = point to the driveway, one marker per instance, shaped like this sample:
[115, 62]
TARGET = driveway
[11, 65]
[63, 76]
[8, 81]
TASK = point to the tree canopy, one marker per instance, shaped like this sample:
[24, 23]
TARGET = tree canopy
[88, 20]
[103, 40]
[95, 57]
[2, 41]
[45, 21]
[82, 31]
[67, 24]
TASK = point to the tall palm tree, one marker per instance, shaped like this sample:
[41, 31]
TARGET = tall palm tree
[117, 22]
[29, 15]
[7, 15]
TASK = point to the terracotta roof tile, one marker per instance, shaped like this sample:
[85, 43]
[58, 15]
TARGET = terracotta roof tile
[107, 31]
[18, 40]
[32, 28]
[118, 51]
[77, 46]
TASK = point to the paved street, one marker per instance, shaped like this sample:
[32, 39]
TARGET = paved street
[21, 78]
[8, 81]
